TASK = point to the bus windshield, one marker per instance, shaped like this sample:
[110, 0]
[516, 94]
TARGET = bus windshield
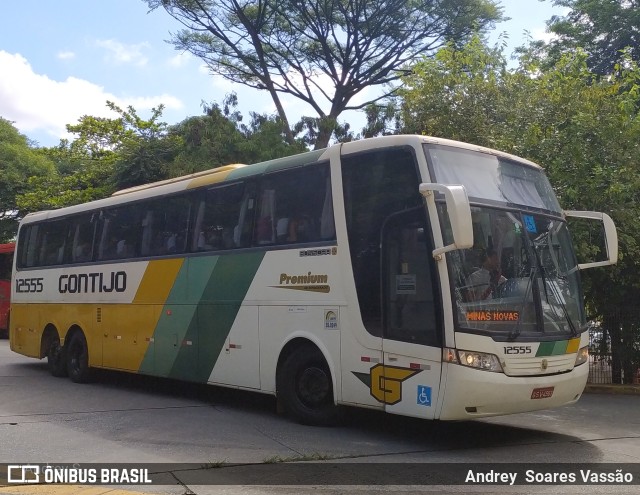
[520, 280]
[492, 178]
[524, 267]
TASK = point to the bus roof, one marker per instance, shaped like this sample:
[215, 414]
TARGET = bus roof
[239, 171]
[227, 173]
[416, 140]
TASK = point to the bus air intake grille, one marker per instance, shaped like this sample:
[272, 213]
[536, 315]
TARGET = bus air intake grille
[549, 365]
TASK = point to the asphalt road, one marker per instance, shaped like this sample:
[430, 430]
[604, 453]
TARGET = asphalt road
[132, 419]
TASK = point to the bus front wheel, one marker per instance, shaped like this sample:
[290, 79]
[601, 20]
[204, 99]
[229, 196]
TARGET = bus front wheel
[78, 359]
[306, 389]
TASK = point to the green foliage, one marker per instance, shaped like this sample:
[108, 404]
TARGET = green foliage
[207, 141]
[18, 162]
[457, 94]
[219, 137]
[60, 190]
[603, 28]
[582, 128]
[144, 148]
[264, 139]
[115, 153]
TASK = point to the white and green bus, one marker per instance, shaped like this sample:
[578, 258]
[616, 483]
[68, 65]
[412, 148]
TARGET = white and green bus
[419, 276]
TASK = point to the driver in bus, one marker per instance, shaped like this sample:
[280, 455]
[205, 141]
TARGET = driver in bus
[483, 282]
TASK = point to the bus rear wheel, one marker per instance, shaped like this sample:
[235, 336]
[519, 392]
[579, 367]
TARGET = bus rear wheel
[56, 358]
[306, 389]
[78, 359]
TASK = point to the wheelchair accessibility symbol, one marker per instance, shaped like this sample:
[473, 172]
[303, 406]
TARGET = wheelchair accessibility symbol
[424, 395]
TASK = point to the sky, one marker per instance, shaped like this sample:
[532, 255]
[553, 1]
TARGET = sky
[60, 60]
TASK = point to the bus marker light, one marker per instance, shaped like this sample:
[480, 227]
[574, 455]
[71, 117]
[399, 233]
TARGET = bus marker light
[419, 366]
[449, 356]
[368, 359]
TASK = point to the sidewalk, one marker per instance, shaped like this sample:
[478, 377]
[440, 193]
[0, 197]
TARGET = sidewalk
[600, 388]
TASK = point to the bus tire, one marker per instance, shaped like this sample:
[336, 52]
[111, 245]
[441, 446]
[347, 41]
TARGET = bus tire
[56, 358]
[305, 388]
[78, 359]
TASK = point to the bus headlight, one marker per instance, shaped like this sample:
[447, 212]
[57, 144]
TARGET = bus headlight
[583, 356]
[473, 359]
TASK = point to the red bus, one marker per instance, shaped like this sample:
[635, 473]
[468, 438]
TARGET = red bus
[6, 262]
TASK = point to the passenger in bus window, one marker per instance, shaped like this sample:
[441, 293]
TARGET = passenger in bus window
[81, 253]
[282, 229]
[302, 228]
[483, 282]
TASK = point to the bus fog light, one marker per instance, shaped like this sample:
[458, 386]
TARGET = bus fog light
[583, 356]
[480, 360]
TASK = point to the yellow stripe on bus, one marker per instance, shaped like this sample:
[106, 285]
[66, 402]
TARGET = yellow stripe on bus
[573, 345]
[157, 281]
[217, 175]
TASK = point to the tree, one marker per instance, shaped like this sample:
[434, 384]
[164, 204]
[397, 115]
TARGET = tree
[457, 94]
[219, 137]
[144, 148]
[107, 154]
[603, 28]
[320, 51]
[583, 129]
[209, 140]
[18, 161]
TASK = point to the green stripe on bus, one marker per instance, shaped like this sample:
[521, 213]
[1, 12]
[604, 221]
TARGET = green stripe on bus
[198, 315]
[552, 348]
[218, 308]
[178, 315]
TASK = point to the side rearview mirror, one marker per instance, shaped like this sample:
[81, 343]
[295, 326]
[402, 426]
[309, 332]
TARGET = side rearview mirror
[459, 212]
[610, 237]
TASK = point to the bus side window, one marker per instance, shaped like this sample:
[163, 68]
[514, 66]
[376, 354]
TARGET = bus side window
[81, 234]
[266, 223]
[53, 243]
[296, 206]
[121, 233]
[241, 235]
[27, 254]
[223, 218]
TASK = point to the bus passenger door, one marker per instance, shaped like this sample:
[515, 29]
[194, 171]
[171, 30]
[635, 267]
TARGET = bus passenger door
[410, 378]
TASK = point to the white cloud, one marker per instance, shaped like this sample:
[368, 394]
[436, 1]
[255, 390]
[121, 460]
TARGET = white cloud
[37, 103]
[119, 53]
[66, 55]
[148, 102]
[180, 60]
[204, 69]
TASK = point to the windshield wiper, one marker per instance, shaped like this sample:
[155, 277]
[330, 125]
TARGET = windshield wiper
[560, 299]
[556, 294]
[516, 331]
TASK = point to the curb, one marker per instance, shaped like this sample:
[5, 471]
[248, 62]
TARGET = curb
[612, 389]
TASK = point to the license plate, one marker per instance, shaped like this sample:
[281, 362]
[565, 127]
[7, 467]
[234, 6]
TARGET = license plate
[542, 393]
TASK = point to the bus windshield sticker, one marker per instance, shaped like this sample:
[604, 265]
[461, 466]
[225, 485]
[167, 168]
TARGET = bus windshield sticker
[530, 224]
[406, 284]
